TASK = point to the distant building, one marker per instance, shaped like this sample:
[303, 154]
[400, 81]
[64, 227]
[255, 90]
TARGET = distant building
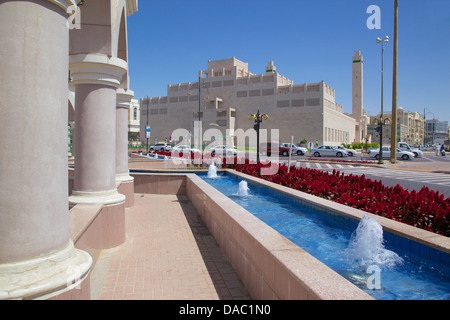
[229, 94]
[410, 127]
[134, 122]
[436, 131]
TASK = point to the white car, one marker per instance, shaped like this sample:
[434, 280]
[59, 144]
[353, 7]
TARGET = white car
[328, 151]
[404, 155]
[350, 152]
[182, 148]
[161, 147]
[300, 151]
[406, 147]
[223, 150]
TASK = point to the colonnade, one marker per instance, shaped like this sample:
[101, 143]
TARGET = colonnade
[38, 259]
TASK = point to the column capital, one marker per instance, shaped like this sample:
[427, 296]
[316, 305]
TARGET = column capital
[97, 69]
[64, 4]
[124, 98]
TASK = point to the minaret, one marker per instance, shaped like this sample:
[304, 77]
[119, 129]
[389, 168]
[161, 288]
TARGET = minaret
[357, 94]
[271, 67]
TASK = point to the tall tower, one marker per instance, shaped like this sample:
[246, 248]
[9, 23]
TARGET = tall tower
[357, 96]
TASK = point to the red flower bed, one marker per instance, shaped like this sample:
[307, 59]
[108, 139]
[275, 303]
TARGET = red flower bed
[426, 209]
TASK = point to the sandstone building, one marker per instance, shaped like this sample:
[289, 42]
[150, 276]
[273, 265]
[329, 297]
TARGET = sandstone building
[229, 93]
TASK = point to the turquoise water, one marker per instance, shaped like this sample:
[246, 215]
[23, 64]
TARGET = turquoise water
[419, 273]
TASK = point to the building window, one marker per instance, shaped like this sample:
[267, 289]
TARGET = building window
[268, 92]
[313, 102]
[241, 94]
[298, 103]
[222, 123]
[135, 114]
[283, 104]
[255, 93]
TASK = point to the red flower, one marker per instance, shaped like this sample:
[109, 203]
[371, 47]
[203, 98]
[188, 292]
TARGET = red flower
[426, 209]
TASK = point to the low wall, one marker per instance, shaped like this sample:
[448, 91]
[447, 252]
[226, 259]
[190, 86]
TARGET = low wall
[270, 266]
[159, 183]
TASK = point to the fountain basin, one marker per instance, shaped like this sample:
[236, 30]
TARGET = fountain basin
[425, 251]
[270, 265]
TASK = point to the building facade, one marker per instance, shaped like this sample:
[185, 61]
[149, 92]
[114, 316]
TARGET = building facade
[436, 131]
[134, 122]
[229, 94]
[410, 127]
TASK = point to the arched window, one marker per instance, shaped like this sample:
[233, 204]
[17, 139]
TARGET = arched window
[135, 114]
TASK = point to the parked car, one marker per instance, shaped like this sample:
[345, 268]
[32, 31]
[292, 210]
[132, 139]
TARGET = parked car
[183, 148]
[328, 151]
[161, 147]
[223, 150]
[300, 151]
[404, 155]
[266, 149]
[350, 152]
[405, 147]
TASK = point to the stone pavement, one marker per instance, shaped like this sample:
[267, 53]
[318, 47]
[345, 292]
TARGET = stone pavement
[169, 254]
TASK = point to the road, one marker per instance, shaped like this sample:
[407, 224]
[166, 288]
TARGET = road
[430, 171]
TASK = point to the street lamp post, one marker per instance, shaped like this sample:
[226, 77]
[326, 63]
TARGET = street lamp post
[146, 128]
[258, 117]
[394, 87]
[382, 41]
[198, 133]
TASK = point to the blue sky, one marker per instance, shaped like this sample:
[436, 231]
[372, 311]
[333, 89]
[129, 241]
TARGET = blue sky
[309, 41]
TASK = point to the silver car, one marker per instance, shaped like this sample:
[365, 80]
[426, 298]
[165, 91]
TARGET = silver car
[328, 151]
[161, 147]
[182, 148]
[404, 155]
[300, 151]
[223, 150]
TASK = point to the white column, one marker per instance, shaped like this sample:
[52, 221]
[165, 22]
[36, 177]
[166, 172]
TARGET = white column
[96, 78]
[37, 256]
[123, 178]
[123, 105]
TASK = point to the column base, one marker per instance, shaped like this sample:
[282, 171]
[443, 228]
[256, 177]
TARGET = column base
[112, 216]
[109, 198]
[44, 277]
[125, 186]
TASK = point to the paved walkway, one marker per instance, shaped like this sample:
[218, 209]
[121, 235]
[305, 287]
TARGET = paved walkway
[168, 254]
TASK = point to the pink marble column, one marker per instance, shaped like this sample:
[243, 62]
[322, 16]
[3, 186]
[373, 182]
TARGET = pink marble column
[96, 79]
[37, 256]
[123, 179]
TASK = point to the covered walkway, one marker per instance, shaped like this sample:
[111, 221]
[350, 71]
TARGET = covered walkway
[168, 254]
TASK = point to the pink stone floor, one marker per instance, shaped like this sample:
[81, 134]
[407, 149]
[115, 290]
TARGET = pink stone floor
[169, 254]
